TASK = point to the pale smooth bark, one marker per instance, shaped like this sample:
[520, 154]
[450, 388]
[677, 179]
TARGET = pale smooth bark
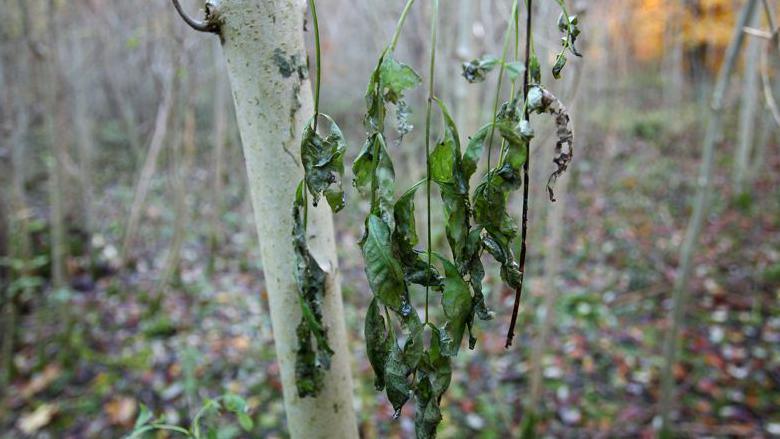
[264, 48]
[700, 208]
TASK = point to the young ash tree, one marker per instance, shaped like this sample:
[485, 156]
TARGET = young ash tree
[263, 44]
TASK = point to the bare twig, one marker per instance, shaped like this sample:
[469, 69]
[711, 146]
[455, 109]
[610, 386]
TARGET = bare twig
[200, 26]
[526, 178]
[757, 33]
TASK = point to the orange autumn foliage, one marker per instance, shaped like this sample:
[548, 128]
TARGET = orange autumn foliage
[654, 25]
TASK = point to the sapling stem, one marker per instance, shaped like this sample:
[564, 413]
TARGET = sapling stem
[400, 25]
[431, 97]
[501, 69]
[526, 179]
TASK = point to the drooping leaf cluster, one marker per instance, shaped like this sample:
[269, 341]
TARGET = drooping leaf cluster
[569, 26]
[404, 366]
[513, 123]
[311, 361]
[323, 165]
[476, 222]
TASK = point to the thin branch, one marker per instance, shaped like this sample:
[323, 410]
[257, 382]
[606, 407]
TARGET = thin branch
[757, 33]
[200, 26]
[431, 97]
[526, 176]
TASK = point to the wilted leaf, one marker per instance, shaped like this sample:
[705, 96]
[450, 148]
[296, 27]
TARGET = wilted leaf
[377, 342]
[384, 272]
[323, 163]
[477, 70]
[311, 280]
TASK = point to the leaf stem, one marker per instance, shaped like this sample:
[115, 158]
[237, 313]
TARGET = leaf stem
[514, 82]
[400, 25]
[318, 58]
[526, 179]
[317, 84]
[431, 97]
[501, 69]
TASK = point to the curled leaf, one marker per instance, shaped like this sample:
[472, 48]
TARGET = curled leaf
[323, 163]
[385, 274]
[477, 70]
[378, 342]
[542, 101]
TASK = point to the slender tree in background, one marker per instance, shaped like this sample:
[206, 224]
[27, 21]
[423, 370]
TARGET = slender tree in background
[747, 112]
[266, 62]
[56, 164]
[150, 163]
[20, 243]
[83, 123]
[701, 205]
[220, 122]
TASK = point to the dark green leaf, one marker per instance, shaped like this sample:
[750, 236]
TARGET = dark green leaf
[457, 304]
[560, 63]
[378, 342]
[397, 378]
[384, 272]
[373, 169]
[404, 237]
[535, 69]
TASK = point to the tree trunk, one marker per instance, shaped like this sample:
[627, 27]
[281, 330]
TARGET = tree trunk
[701, 204]
[57, 151]
[747, 115]
[266, 60]
[150, 164]
[182, 150]
[220, 131]
[552, 261]
[82, 120]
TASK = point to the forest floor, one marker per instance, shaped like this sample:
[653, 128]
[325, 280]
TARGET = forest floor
[95, 353]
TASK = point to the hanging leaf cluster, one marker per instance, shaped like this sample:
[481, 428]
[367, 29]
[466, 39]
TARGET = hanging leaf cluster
[394, 332]
[412, 357]
[569, 26]
[323, 165]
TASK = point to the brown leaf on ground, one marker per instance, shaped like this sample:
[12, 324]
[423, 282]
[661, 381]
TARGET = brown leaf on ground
[121, 410]
[33, 421]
